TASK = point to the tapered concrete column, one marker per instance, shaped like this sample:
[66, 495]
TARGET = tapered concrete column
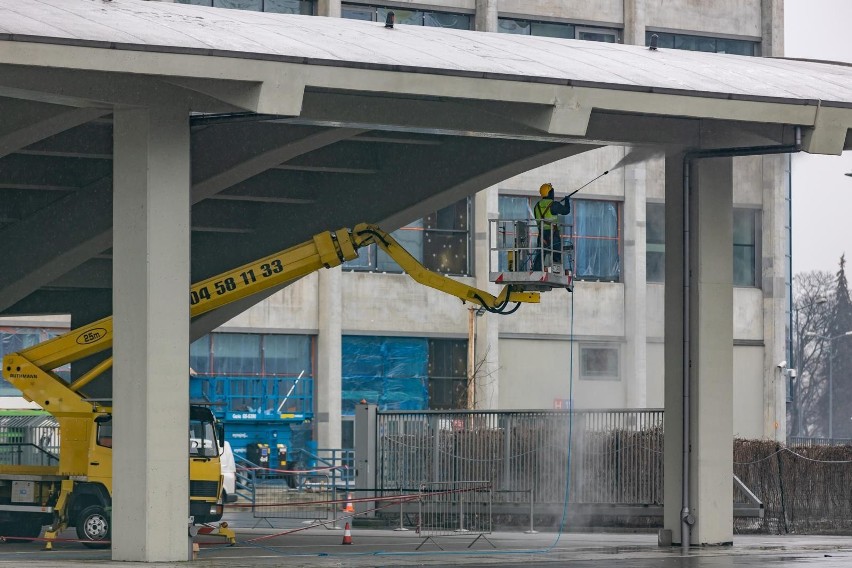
[330, 8]
[151, 346]
[635, 288]
[634, 22]
[710, 351]
[327, 385]
[486, 16]
[774, 284]
[487, 359]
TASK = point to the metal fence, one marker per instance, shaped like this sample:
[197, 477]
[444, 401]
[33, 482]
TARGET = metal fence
[454, 508]
[29, 440]
[616, 454]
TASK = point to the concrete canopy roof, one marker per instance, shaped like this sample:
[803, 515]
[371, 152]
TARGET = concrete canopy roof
[304, 124]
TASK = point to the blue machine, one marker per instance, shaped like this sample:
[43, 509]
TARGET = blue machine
[274, 412]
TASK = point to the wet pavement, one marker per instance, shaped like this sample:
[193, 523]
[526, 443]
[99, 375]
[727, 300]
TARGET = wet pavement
[295, 544]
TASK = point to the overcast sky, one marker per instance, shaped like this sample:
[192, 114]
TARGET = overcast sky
[822, 195]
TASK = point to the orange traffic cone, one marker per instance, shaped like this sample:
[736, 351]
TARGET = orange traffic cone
[347, 535]
[349, 508]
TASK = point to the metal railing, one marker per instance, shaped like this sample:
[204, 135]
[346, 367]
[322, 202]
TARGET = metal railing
[454, 508]
[616, 454]
[26, 454]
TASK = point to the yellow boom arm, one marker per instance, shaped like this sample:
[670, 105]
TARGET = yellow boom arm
[325, 250]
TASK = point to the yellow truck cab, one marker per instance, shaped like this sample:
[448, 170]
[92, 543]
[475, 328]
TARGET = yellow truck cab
[33, 496]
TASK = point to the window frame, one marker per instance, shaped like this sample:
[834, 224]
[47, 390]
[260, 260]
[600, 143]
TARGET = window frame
[660, 246]
[575, 237]
[371, 252]
[668, 40]
[586, 375]
[757, 218]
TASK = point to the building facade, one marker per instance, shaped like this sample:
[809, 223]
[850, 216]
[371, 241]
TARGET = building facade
[291, 368]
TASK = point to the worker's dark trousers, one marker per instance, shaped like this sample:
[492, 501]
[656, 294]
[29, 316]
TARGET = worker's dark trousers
[545, 246]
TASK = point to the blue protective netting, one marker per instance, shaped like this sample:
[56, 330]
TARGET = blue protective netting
[390, 372]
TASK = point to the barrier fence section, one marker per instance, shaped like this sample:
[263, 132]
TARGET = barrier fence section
[317, 491]
[617, 455]
[455, 508]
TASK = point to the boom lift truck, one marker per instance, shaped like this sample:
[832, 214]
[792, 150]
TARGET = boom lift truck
[76, 491]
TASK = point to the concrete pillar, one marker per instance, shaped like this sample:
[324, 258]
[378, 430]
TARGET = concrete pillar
[772, 28]
[486, 16]
[774, 283]
[634, 22]
[327, 385]
[635, 288]
[710, 351]
[330, 8]
[486, 206]
[151, 207]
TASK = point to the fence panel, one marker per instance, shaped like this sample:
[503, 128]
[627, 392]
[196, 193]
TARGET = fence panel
[616, 454]
[454, 508]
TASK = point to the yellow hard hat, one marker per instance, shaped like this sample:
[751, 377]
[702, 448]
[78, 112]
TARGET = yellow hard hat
[545, 189]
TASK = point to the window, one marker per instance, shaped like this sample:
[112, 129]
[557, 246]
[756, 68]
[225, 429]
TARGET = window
[599, 363]
[266, 375]
[596, 234]
[702, 43]
[303, 7]
[390, 372]
[447, 374]
[256, 5]
[446, 20]
[655, 242]
[409, 17]
[597, 34]
[552, 29]
[440, 240]
[746, 238]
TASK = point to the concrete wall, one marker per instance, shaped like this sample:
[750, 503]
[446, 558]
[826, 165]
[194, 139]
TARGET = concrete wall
[748, 388]
[716, 17]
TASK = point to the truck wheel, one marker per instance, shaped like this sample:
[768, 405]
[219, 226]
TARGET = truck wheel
[93, 525]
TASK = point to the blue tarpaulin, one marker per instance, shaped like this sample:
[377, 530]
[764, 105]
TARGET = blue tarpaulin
[390, 372]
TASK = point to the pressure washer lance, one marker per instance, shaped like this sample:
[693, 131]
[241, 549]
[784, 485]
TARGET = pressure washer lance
[589, 183]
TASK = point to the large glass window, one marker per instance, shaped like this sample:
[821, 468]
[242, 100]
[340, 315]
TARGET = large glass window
[447, 374]
[555, 29]
[390, 372]
[596, 234]
[599, 363]
[236, 354]
[305, 7]
[746, 238]
[655, 242]
[253, 375]
[256, 5]
[406, 16]
[702, 43]
[440, 240]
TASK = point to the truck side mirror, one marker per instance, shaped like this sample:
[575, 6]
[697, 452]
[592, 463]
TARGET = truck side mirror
[220, 434]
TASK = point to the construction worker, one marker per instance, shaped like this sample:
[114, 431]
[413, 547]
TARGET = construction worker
[549, 239]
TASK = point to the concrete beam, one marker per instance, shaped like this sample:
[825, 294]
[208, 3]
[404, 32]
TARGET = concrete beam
[22, 137]
[86, 221]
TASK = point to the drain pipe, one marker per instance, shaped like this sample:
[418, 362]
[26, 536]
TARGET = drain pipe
[687, 519]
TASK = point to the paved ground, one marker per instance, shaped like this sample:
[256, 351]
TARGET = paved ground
[266, 546]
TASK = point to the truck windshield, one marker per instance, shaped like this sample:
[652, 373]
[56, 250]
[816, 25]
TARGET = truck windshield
[202, 439]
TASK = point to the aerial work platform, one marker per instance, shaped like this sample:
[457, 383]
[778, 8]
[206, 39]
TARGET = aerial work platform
[520, 257]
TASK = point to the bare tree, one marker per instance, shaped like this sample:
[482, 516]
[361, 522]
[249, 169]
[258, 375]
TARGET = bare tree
[812, 311]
